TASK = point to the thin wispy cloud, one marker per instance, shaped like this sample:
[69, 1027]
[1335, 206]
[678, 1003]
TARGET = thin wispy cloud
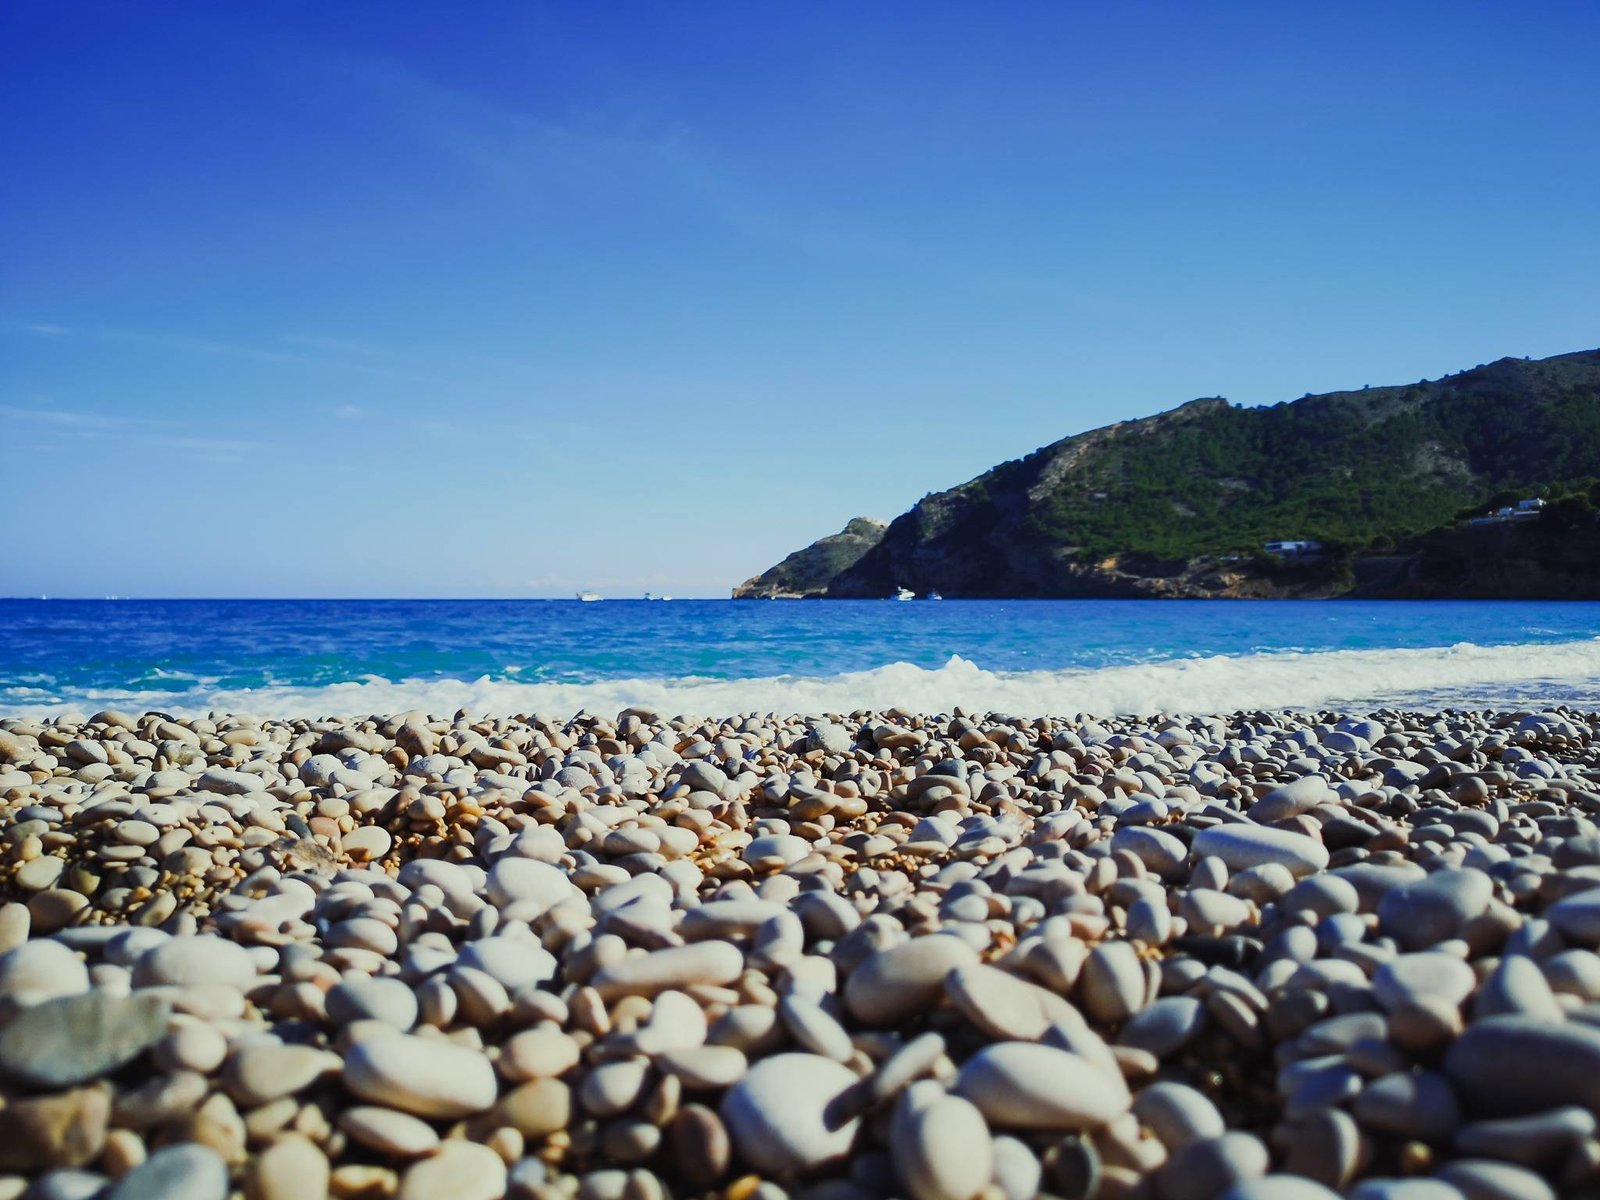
[134, 431]
[348, 412]
[44, 330]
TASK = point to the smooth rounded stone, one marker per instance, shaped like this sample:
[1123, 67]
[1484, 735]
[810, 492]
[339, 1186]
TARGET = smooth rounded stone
[1177, 1114]
[1149, 920]
[998, 1003]
[698, 1145]
[1293, 798]
[63, 1183]
[367, 842]
[538, 1054]
[776, 849]
[533, 885]
[1200, 1169]
[1324, 895]
[372, 998]
[1017, 1171]
[941, 1148]
[1164, 1026]
[461, 1170]
[814, 1028]
[788, 1114]
[1112, 985]
[614, 1087]
[1432, 910]
[1574, 973]
[425, 1076]
[512, 962]
[1404, 1189]
[15, 923]
[61, 1129]
[905, 979]
[1158, 850]
[261, 1072]
[1409, 978]
[1327, 1146]
[73, 1039]
[1484, 1179]
[41, 970]
[388, 1131]
[704, 1068]
[291, 1168]
[1517, 987]
[194, 1046]
[1533, 1141]
[1279, 1187]
[1243, 845]
[673, 968]
[537, 1108]
[1419, 1105]
[37, 874]
[913, 1060]
[200, 961]
[1024, 1085]
[1204, 909]
[186, 1171]
[1577, 917]
[1516, 1066]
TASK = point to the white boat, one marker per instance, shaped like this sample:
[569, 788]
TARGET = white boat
[934, 596]
[653, 596]
[588, 597]
[904, 594]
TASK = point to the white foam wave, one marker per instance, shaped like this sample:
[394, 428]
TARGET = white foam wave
[1465, 675]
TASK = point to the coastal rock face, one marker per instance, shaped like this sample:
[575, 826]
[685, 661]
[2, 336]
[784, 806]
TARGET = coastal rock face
[943, 957]
[808, 572]
[1181, 504]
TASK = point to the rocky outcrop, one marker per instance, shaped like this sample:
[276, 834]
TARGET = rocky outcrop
[808, 572]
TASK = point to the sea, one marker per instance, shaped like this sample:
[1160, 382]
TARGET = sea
[323, 658]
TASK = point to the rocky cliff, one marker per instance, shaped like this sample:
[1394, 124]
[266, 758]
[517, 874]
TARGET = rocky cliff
[808, 572]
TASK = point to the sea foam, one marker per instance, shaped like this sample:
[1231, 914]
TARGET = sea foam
[1464, 675]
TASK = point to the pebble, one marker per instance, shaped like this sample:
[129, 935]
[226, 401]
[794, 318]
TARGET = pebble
[964, 955]
[1017, 1085]
[424, 1076]
[186, 1171]
[788, 1114]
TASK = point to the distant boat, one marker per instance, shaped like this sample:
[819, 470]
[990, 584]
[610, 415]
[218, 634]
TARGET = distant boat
[934, 596]
[904, 594]
[589, 597]
[653, 596]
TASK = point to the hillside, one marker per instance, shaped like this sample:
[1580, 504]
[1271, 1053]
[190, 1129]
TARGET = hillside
[1183, 502]
[808, 572]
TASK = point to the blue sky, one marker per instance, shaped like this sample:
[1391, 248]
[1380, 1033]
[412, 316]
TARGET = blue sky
[511, 299]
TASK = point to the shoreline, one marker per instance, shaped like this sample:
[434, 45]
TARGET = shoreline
[884, 954]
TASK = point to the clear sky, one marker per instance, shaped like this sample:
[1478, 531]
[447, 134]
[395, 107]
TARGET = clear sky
[505, 298]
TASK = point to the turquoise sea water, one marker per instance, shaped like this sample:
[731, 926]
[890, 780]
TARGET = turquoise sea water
[324, 657]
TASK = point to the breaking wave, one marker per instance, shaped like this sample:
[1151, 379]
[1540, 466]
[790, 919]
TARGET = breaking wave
[1464, 675]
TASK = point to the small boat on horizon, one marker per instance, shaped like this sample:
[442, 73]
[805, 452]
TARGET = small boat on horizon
[904, 594]
[589, 597]
[934, 596]
[653, 596]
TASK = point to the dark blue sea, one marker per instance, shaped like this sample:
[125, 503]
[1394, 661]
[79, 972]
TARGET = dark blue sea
[345, 657]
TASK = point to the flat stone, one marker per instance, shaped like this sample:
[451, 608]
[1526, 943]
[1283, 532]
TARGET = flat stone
[186, 1171]
[1177, 1113]
[526, 882]
[261, 1072]
[1023, 1085]
[1200, 1169]
[538, 1054]
[1409, 978]
[1242, 845]
[1432, 910]
[460, 1170]
[904, 980]
[675, 967]
[787, 1114]
[1516, 1066]
[372, 998]
[997, 1002]
[66, 1129]
[425, 1076]
[388, 1131]
[1164, 1027]
[1407, 1104]
[941, 1148]
[188, 962]
[1484, 1179]
[73, 1039]
[291, 1168]
[41, 970]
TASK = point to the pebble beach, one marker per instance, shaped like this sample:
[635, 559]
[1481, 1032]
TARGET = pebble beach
[961, 956]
